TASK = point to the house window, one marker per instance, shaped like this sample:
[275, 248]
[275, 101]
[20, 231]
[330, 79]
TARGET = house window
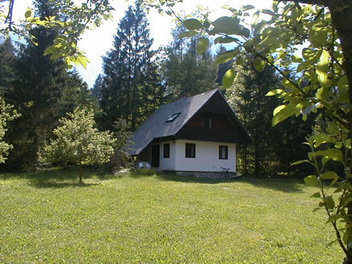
[190, 150]
[223, 152]
[207, 122]
[166, 153]
[172, 117]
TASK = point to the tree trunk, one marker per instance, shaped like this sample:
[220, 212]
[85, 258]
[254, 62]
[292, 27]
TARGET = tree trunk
[348, 258]
[341, 16]
[80, 173]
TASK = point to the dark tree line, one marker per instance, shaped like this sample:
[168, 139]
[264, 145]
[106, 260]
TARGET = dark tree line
[273, 148]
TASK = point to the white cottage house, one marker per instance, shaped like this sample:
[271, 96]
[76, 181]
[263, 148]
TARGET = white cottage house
[197, 135]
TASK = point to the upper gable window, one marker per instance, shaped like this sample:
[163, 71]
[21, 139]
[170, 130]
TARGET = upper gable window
[207, 122]
[173, 117]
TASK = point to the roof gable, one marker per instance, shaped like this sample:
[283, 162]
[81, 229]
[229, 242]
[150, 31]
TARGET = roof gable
[159, 124]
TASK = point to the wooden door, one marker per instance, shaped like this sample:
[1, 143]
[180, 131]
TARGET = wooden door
[156, 156]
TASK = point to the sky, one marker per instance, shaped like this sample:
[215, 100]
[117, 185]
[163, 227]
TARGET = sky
[96, 43]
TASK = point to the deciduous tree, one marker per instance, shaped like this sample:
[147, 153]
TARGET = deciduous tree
[78, 142]
[7, 114]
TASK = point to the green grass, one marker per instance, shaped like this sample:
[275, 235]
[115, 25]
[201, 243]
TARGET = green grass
[48, 218]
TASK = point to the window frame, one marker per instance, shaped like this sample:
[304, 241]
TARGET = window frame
[221, 157]
[190, 150]
[172, 117]
[166, 150]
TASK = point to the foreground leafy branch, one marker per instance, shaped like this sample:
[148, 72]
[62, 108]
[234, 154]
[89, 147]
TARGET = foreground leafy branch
[74, 19]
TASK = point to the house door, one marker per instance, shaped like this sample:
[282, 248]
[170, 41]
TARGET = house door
[155, 156]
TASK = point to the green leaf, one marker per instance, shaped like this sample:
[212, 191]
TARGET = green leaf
[329, 175]
[259, 64]
[274, 92]
[187, 34]
[318, 36]
[227, 25]
[28, 13]
[203, 44]
[348, 143]
[224, 40]
[247, 7]
[299, 162]
[322, 68]
[283, 112]
[192, 24]
[322, 138]
[316, 195]
[312, 181]
[228, 78]
[226, 56]
[231, 26]
[83, 60]
[330, 154]
[334, 218]
[329, 202]
[268, 12]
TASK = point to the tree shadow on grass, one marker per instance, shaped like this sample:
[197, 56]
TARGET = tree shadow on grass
[280, 184]
[190, 179]
[283, 184]
[58, 185]
[58, 177]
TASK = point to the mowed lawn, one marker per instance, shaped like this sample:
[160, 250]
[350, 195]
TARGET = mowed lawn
[48, 218]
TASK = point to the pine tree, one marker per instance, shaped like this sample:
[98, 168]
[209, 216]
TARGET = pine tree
[131, 87]
[7, 60]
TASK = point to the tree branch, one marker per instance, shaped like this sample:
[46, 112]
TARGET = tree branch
[311, 2]
[9, 14]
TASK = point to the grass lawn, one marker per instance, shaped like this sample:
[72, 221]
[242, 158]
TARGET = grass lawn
[48, 218]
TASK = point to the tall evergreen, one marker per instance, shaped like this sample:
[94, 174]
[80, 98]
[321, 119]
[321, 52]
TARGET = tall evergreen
[185, 72]
[42, 92]
[7, 60]
[131, 87]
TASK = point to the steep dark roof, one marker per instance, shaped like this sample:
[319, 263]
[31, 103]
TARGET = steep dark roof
[157, 127]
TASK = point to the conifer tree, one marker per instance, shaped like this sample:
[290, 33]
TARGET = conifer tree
[7, 60]
[131, 87]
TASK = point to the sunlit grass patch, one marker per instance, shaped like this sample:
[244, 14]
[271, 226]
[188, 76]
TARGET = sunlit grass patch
[49, 217]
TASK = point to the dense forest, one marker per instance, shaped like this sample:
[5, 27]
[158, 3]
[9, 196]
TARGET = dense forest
[135, 81]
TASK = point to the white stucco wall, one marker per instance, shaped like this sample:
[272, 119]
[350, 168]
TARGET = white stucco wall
[207, 157]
